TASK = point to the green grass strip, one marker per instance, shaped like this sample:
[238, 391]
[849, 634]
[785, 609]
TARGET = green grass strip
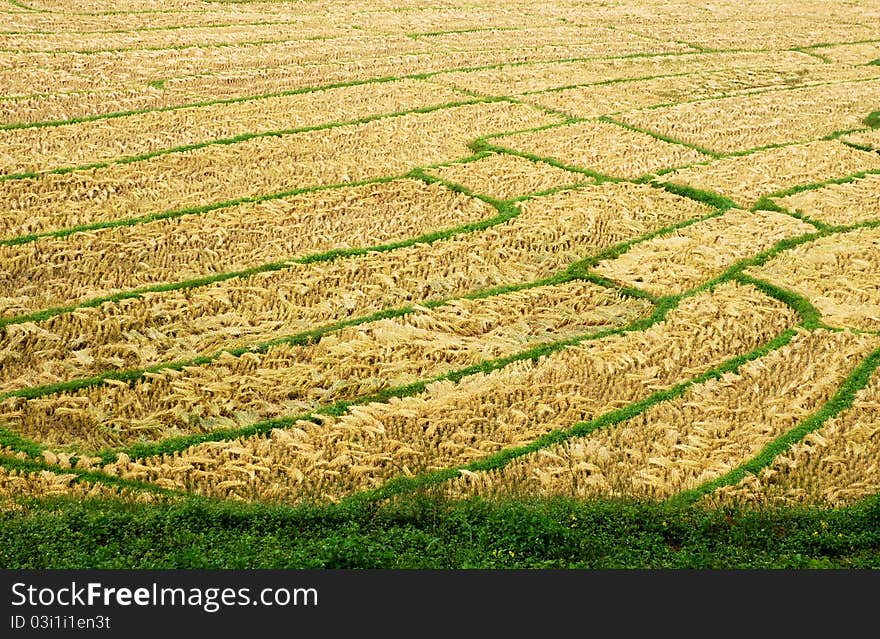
[499, 460]
[811, 317]
[431, 34]
[824, 58]
[580, 267]
[482, 145]
[766, 204]
[707, 197]
[22, 5]
[818, 185]
[16, 442]
[828, 45]
[244, 137]
[428, 532]
[842, 400]
[860, 147]
[584, 85]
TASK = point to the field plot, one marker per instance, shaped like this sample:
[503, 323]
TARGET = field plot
[727, 125]
[600, 147]
[196, 318]
[866, 139]
[839, 274]
[852, 202]
[705, 433]
[833, 466]
[215, 174]
[39, 149]
[748, 178]
[288, 252]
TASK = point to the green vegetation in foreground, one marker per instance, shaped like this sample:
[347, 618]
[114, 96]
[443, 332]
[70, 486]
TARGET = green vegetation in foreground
[428, 532]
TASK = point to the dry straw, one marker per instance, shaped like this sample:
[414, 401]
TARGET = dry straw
[91, 6]
[35, 78]
[551, 233]
[432, 19]
[153, 39]
[56, 271]
[142, 66]
[505, 176]
[834, 466]
[838, 204]
[678, 445]
[42, 149]
[674, 446]
[16, 484]
[747, 122]
[602, 147]
[590, 41]
[595, 100]
[452, 424]
[870, 139]
[145, 65]
[255, 167]
[235, 391]
[763, 31]
[228, 14]
[851, 53]
[64, 106]
[839, 274]
[683, 259]
[514, 79]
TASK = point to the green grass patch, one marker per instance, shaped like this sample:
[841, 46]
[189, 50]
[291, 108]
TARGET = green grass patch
[426, 532]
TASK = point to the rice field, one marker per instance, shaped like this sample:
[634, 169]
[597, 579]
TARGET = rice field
[322, 253]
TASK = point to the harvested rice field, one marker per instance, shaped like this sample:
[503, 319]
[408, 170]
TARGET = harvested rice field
[386, 258]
